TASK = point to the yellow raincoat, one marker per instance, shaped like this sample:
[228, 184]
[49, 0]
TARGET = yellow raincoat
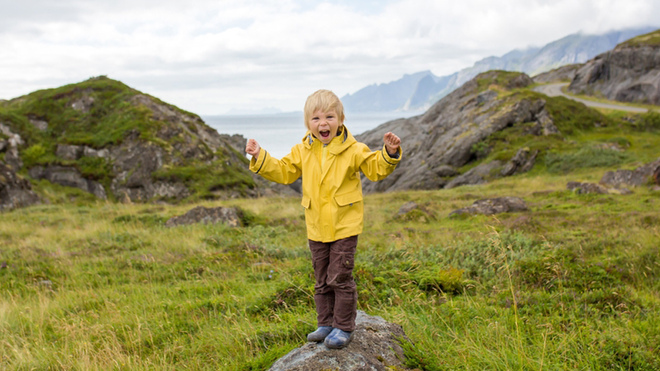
[331, 187]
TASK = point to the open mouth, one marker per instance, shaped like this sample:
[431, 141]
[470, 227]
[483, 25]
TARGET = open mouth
[324, 133]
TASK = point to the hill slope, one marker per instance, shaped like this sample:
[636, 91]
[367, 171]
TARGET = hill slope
[115, 142]
[493, 126]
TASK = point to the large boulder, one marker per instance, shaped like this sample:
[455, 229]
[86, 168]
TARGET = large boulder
[634, 178]
[69, 177]
[15, 191]
[628, 73]
[478, 175]
[375, 346]
[492, 206]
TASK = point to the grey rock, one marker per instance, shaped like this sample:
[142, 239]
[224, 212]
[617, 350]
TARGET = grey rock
[12, 157]
[627, 73]
[3, 145]
[230, 216]
[375, 346]
[546, 123]
[584, 188]
[83, 104]
[68, 152]
[633, 178]
[445, 171]
[477, 175]
[564, 73]
[6, 130]
[91, 152]
[41, 125]
[407, 207]
[521, 162]
[69, 177]
[492, 206]
[15, 191]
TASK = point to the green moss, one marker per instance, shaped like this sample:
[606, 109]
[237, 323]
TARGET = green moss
[442, 280]
[502, 79]
[649, 39]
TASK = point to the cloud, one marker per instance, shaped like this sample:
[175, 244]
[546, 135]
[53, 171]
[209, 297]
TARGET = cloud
[210, 56]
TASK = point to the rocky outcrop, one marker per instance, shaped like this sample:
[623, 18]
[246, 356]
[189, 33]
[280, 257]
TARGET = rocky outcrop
[492, 206]
[478, 175]
[375, 346]
[522, 162]
[628, 73]
[451, 133]
[126, 145]
[586, 188]
[68, 177]
[15, 191]
[230, 216]
[10, 146]
[564, 73]
[645, 174]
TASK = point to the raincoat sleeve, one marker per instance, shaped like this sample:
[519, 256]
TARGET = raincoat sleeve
[378, 165]
[284, 171]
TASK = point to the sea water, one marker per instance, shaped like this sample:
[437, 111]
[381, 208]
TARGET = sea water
[277, 133]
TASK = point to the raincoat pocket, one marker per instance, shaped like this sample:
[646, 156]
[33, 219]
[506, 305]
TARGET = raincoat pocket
[349, 206]
[349, 198]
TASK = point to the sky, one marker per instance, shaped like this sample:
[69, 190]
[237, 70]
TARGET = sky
[219, 56]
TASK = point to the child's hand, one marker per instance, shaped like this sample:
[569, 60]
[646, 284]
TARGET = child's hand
[252, 148]
[392, 143]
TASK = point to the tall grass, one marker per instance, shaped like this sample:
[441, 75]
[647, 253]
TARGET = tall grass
[571, 284]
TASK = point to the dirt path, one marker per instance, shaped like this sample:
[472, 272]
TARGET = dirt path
[554, 90]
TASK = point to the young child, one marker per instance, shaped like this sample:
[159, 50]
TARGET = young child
[329, 160]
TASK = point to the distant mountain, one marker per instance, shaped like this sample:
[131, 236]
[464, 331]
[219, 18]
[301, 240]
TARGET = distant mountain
[421, 90]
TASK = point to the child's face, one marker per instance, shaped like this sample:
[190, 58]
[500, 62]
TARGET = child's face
[324, 125]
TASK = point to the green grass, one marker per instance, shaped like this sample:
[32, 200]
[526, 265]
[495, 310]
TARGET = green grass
[649, 39]
[571, 284]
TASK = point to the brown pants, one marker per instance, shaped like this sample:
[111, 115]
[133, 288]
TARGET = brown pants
[335, 292]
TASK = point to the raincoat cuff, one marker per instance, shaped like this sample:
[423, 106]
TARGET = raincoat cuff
[257, 163]
[392, 160]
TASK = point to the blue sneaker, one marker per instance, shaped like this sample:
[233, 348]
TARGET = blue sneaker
[338, 339]
[320, 334]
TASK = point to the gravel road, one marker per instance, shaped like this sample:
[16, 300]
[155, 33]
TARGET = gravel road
[554, 90]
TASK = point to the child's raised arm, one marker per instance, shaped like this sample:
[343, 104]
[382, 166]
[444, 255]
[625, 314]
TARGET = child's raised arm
[252, 148]
[392, 143]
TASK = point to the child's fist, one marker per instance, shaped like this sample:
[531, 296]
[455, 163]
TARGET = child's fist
[392, 143]
[252, 148]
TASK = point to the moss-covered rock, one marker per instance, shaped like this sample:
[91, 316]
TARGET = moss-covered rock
[132, 145]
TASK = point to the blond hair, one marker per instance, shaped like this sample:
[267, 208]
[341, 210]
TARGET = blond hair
[323, 100]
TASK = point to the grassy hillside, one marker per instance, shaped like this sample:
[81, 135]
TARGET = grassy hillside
[102, 113]
[650, 39]
[571, 284]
